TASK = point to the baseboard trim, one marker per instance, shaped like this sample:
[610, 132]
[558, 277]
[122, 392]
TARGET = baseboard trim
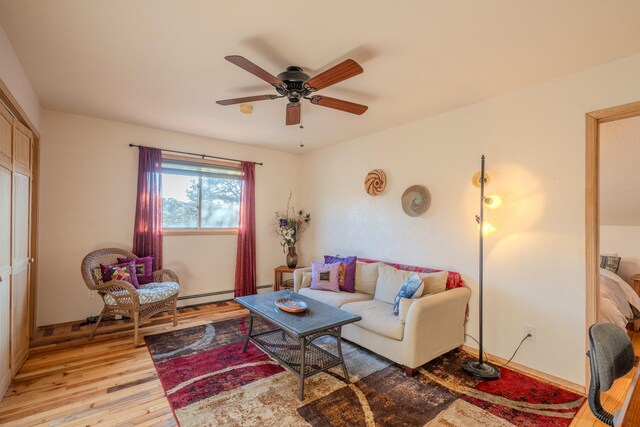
[568, 385]
[4, 384]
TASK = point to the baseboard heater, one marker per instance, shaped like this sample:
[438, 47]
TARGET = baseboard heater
[212, 296]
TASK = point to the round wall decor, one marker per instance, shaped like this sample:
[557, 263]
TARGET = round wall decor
[375, 182]
[416, 200]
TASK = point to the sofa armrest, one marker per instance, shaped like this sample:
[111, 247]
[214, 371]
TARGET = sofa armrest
[434, 325]
[297, 277]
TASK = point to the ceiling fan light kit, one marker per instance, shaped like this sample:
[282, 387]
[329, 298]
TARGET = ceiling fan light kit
[295, 85]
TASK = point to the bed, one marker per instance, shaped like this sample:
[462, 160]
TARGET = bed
[619, 303]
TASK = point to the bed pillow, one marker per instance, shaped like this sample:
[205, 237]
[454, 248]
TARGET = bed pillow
[324, 277]
[611, 263]
[125, 271]
[144, 269]
[349, 283]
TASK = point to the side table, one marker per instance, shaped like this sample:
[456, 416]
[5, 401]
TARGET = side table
[278, 283]
[636, 283]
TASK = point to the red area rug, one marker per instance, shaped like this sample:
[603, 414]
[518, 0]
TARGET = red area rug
[210, 382]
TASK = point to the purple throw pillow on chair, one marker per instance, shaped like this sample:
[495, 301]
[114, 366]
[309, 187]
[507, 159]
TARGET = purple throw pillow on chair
[144, 269]
[324, 277]
[349, 284]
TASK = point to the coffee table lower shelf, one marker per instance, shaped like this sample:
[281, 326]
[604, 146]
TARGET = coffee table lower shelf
[299, 355]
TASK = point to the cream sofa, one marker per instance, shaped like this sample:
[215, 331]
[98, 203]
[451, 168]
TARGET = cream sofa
[426, 327]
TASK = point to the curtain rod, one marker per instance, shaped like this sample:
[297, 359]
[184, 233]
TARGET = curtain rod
[196, 154]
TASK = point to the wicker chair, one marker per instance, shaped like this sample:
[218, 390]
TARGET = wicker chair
[121, 298]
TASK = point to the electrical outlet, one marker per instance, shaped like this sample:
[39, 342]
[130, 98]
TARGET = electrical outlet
[92, 294]
[530, 330]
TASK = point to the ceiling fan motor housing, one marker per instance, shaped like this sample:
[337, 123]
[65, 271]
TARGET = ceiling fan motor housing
[294, 79]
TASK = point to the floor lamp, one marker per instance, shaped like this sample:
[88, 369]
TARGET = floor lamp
[481, 368]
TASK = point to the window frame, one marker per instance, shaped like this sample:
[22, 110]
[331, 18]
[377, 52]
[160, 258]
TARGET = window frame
[199, 231]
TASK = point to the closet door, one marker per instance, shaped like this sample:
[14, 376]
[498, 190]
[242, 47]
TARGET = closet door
[22, 146]
[6, 148]
[5, 275]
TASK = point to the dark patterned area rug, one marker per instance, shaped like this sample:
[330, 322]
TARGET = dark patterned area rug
[210, 382]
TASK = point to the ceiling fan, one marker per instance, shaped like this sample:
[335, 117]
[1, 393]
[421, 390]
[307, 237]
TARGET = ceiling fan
[295, 85]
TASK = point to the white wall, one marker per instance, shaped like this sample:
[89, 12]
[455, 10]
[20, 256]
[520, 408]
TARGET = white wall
[624, 241]
[12, 74]
[534, 141]
[87, 201]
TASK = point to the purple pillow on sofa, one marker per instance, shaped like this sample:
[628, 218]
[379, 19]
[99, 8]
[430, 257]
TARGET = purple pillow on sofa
[324, 277]
[144, 269]
[349, 271]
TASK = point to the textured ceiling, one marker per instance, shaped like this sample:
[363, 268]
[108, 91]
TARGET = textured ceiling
[620, 172]
[160, 63]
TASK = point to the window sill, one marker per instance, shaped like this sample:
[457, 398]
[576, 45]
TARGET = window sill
[202, 232]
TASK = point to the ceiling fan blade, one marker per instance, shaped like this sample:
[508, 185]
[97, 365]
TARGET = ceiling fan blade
[338, 104]
[249, 66]
[333, 75]
[293, 113]
[245, 99]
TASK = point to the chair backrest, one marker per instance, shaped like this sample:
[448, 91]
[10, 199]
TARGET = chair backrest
[611, 353]
[611, 357]
[90, 267]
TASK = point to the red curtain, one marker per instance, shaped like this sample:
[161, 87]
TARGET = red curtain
[246, 256]
[147, 234]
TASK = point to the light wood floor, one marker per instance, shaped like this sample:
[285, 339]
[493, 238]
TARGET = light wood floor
[102, 382]
[69, 381]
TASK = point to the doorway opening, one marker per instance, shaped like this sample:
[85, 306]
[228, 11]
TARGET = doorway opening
[593, 217]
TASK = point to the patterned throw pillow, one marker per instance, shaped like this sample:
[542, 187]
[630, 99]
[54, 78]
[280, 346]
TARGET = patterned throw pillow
[144, 269]
[611, 263]
[409, 287]
[349, 282]
[124, 271]
[325, 277]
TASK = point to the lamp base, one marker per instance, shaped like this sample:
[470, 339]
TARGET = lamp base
[484, 370]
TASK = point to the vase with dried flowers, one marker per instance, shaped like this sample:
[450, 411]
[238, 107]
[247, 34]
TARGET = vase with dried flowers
[289, 227]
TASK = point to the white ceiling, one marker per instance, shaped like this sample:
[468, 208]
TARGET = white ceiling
[160, 63]
[619, 172]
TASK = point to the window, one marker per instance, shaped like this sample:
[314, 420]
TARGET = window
[199, 196]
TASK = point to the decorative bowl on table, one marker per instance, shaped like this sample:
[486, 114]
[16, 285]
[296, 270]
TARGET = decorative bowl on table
[291, 305]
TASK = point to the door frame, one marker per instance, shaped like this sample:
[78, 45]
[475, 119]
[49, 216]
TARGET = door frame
[592, 208]
[7, 98]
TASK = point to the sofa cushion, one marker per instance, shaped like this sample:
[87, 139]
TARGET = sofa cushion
[336, 299]
[366, 277]
[390, 280]
[434, 283]
[377, 316]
